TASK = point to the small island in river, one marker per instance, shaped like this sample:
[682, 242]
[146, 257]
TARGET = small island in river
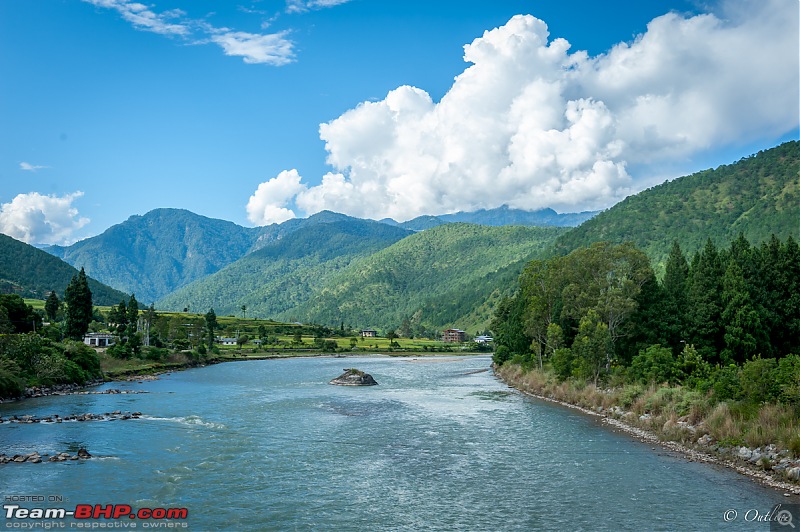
[354, 377]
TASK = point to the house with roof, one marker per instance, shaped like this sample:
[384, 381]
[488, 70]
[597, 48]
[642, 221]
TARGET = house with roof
[99, 339]
[454, 336]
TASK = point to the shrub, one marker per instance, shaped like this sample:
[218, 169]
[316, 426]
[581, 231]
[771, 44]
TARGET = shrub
[501, 355]
[563, 361]
[654, 365]
[758, 380]
[787, 379]
[11, 385]
[85, 357]
[726, 383]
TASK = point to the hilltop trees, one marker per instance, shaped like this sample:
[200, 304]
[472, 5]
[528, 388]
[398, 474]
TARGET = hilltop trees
[78, 299]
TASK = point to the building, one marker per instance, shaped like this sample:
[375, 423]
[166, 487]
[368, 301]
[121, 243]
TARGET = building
[483, 339]
[99, 339]
[368, 333]
[454, 335]
[227, 341]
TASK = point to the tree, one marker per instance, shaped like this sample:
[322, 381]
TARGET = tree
[592, 346]
[133, 315]
[673, 289]
[18, 316]
[119, 317]
[242, 339]
[703, 302]
[52, 305]
[509, 327]
[741, 322]
[211, 325]
[78, 299]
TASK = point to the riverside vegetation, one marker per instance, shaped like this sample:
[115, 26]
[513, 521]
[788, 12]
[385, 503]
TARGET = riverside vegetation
[708, 355]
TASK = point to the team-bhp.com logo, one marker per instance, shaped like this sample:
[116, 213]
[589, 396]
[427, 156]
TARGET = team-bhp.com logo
[95, 511]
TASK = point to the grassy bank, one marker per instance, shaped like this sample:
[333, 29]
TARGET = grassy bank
[767, 436]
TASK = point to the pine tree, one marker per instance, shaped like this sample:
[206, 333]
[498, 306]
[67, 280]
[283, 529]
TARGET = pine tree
[78, 299]
[743, 330]
[211, 324]
[121, 318]
[674, 299]
[52, 305]
[703, 304]
[133, 315]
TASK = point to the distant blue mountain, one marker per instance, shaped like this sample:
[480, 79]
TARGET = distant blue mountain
[500, 216]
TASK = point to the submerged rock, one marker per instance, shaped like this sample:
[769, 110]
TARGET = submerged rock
[354, 377]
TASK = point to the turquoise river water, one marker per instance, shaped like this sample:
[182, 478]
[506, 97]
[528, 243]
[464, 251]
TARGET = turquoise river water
[439, 444]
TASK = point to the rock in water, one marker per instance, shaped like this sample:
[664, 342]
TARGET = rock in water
[354, 377]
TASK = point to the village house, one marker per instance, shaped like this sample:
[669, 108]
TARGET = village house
[99, 339]
[368, 333]
[454, 335]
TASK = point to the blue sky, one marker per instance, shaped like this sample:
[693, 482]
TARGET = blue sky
[259, 111]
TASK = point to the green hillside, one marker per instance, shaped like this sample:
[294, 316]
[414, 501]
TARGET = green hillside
[286, 272]
[154, 254]
[433, 278]
[31, 272]
[757, 196]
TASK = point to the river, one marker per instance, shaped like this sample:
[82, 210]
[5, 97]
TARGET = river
[439, 444]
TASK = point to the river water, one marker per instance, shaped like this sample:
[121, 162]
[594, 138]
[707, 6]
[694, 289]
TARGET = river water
[439, 444]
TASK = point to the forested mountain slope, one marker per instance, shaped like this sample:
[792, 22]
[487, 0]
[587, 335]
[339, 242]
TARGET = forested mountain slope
[31, 272]
[438, 277]
[154, 254]
[757, 196]
[285, 272]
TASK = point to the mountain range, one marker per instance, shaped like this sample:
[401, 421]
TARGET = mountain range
[155, 254]
[433, 271]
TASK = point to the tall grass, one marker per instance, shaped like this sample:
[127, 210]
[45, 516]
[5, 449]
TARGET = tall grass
[669, 411]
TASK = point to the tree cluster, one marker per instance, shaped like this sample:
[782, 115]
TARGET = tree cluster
[601, 308]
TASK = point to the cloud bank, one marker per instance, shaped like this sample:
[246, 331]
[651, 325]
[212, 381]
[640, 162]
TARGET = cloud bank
[531, 125]
[38, 219]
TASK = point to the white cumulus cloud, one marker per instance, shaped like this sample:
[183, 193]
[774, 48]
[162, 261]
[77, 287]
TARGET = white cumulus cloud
[38, 219]
[532, 124]
[269, 203]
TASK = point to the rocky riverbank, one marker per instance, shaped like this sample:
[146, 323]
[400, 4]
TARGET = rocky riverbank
[767, 465]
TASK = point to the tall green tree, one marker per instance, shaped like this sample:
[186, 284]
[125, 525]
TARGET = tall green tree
[119, 317]
[508, 326]
[78, 299]
[674, 306]
[211, 326]
[133, 314]
[703, 302]
[742, 325]
[52, 305]
[592, 347]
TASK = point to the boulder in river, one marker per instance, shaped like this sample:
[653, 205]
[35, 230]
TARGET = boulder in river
[354, 377]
